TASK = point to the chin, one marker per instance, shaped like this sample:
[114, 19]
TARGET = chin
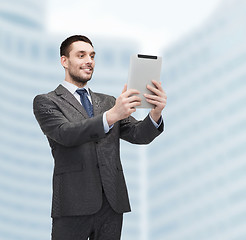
[81, 79]
[86, 79]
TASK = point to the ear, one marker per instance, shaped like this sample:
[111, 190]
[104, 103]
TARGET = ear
[64, 61]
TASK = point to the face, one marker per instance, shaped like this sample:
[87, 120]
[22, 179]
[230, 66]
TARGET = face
[79, 66]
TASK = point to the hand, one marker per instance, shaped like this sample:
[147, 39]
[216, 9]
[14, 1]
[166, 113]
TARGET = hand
[124, 106]
[159, 100]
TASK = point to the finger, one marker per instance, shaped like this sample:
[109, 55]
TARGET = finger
[134, 104]
[159, 102]
[154, 97]
[161, 98]
[130, 92]
[154, 90]
[134, 98]
[125, 88]
[132, 110]
[157, 85]
[159, 105]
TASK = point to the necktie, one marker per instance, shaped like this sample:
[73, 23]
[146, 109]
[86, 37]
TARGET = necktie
[85, 101]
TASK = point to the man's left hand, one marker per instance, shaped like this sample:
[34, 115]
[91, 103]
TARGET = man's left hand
[159, 100]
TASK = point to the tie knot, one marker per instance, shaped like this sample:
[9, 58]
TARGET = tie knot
[82, 91]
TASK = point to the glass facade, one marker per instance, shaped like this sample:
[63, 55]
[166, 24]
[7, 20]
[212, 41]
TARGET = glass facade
[30, 65]
[197, 179]
[188, 184]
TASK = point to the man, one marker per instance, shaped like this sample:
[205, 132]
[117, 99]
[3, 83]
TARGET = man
[83, 129]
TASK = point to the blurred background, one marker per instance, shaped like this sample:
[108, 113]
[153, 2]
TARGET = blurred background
[190, 183]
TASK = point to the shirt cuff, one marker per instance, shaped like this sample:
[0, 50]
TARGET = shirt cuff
[157, 125]
[105, 124]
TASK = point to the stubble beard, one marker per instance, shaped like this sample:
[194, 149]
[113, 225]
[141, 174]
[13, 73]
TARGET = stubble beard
[79, 79]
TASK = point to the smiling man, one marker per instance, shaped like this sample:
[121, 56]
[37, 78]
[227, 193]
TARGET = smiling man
[78, 60]
[83, 129]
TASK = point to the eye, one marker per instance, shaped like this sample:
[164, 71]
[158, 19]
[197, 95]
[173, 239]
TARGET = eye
[81, 55]
[92, 56]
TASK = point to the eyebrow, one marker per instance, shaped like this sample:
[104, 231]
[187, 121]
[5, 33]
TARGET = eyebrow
[86, 52]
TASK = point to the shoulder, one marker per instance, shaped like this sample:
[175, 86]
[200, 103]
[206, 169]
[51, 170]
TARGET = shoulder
[44, 99]
[52, 94]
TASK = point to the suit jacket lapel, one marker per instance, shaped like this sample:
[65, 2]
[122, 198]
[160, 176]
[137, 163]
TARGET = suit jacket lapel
[97, 104]
[67, 96]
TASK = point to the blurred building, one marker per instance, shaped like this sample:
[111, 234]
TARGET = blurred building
[29, 60]
[188, 184]
[197, 174]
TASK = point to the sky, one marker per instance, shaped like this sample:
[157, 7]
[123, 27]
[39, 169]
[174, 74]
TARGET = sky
[155, 24]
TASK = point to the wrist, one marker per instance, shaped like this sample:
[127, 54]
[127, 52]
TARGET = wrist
[111, 117]
[155, 116]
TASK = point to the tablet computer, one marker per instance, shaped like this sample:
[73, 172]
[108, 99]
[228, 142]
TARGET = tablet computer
[143, 69]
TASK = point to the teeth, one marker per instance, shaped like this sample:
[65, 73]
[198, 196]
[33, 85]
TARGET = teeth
[87, 69]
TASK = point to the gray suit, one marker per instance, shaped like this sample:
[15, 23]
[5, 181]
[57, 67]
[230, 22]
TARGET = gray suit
[86, 159]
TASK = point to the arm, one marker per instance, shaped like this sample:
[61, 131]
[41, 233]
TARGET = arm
[126, 103]
[140, 132]
[124, 106]
[57, 127]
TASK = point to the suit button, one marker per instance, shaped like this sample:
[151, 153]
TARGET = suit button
[97, 165]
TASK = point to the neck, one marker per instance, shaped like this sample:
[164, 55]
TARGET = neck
[78, 84]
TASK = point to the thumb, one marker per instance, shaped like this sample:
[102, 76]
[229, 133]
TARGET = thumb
[125, 88]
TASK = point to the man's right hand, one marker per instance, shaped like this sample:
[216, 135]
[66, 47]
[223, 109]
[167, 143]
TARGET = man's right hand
[124, 106]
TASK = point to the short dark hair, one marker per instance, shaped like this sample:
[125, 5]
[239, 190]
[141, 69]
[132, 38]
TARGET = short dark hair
[65, 46]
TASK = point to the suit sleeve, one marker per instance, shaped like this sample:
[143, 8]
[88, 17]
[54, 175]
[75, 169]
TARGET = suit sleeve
[57, 127]
[139, 132]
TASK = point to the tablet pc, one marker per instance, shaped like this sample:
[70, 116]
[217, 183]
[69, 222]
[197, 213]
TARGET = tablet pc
[143, 69]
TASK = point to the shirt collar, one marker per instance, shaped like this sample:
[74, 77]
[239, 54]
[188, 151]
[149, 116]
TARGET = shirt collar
[72, 88]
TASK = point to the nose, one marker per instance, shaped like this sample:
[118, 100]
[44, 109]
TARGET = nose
[89, 59]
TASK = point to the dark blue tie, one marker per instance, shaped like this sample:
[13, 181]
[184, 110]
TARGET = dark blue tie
[85, 101]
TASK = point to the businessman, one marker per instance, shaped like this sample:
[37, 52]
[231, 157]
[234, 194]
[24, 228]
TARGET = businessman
[83, 129]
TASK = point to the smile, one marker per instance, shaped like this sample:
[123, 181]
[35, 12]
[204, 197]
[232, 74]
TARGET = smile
[87, 69]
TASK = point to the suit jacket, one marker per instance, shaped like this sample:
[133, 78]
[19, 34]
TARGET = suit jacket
[86, 159]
